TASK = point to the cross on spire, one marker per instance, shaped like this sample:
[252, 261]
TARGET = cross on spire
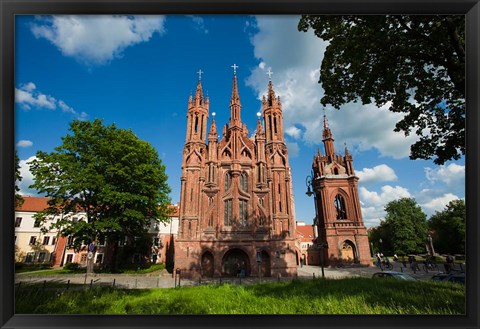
[200, 74]
[235, 67]
[269, 73]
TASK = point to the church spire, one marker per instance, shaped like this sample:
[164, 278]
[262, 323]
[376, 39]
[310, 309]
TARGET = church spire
[328, 139]
[235, 105]
[197, 115]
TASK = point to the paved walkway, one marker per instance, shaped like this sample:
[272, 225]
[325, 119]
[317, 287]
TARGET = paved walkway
[166, 280]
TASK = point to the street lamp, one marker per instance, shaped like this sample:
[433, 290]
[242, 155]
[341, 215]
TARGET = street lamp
[321, 245]
[380, 240]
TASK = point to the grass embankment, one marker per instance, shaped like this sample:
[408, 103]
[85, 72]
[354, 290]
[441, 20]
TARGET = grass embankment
[345, 296]
[45, 272]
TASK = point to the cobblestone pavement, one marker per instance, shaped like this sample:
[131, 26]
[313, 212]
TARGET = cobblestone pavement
[165, 280]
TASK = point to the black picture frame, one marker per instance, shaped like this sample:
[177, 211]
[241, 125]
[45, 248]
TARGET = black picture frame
[10, 8]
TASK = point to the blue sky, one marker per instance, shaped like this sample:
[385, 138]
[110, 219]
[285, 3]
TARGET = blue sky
[139, 71]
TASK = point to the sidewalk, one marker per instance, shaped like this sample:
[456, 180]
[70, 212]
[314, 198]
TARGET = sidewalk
[358, 271]
[128, 281]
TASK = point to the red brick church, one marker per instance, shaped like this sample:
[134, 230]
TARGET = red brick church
[236, 202]
[339, 223]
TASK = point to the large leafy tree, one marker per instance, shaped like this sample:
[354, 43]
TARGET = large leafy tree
[408, 226]
[448, 228]
[117, 180]
[383, 233]
[413, 64]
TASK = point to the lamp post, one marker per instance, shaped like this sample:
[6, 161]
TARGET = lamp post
[321, 245]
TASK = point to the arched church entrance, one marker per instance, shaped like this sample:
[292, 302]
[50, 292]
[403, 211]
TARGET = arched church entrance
[348, 253]
[265, 264]
[234, 261]
[207, 264]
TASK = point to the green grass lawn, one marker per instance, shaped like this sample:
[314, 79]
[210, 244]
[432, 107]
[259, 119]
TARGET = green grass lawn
[319, 296]
[45, 272]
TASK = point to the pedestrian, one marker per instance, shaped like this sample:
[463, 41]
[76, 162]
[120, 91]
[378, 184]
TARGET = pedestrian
[379, 261]
[395, 257]
[411, 261]
[449, 263]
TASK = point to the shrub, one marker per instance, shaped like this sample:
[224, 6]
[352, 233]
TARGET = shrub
[72, 266]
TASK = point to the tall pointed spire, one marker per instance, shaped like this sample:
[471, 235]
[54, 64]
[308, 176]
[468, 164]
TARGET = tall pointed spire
[235, 105]
[328, 138]
[199, 94]
[235, 99]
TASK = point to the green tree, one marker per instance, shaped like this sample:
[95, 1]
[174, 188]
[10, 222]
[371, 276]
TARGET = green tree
[117, 180]
[384, 232]
[408, 224]
[413, 64]
[18, 177]
[448, 228]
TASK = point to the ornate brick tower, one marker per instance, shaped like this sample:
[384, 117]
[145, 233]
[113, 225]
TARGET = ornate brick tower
[236, 201]
[339, 221]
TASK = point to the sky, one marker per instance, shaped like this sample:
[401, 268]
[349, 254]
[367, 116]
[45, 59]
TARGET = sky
[139, 71]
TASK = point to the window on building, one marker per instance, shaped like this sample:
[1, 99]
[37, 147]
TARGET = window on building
[29, 257]
[69, 258]
[83, 257]
[18, 221]
[33, 240]
[261, 220]
[46, 240]
[227, 181]
[36, 223]
[156, 241]
[99, 259]
[210, 221]
[54, 240]
[244, 182]
[340, 207]
[243, 220]
[70, 241]
[41, 256]
[228, 213]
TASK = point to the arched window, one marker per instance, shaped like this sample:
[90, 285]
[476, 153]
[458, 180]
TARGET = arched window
[228, 213]
[340, 207]
[244, 182]
[243, 211]
[227, 181]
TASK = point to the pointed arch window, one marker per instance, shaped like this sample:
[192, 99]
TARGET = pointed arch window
[228, 213]
[244, 182]
[340, 207]
[227, 181]
[243, 211]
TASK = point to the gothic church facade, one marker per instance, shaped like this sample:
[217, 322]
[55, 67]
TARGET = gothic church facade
[236, 202]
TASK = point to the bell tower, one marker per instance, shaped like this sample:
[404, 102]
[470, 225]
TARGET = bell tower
[339, 221]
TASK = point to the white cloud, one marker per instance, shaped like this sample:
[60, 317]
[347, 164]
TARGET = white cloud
[453, 174]
[28, 97]
[97, 39]
[199, 23]
[373, 203]
[380, 173]
[296, 74]
[27, 178]
[293, 132]
[388, 193]
[24, 143]
[438, 204]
